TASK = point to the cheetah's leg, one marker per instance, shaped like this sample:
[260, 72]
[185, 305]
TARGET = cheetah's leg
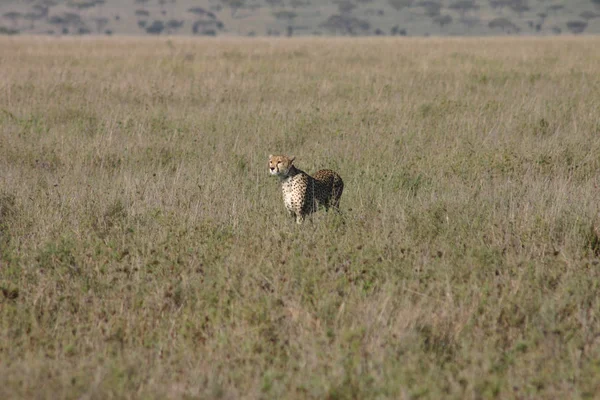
[335, 203]
[336, 195]
[299, 219]
[321, 203]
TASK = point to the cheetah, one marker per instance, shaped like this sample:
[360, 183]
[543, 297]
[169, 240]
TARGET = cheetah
[302, 193]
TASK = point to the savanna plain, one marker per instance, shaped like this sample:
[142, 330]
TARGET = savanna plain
[145, 251]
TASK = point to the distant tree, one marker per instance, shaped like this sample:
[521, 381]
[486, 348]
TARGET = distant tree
[463, 7]
[141, 13]
[202, 12]
[442, 20]
[58, 20]
[48, 3]
[576, 27]
[400, 4]
[101, 23]
[174, 25]
[299, 3]
[197, 10]
[379, 32]
[81, 4]
[156, 28]
[497, 3]
[200, 27]
[31, 17]
[519, 6]
[588, 15]
[252, 6]
[8, 31]
[234, 5]
[345, 6]
[555, 7]
[66, 21]
[470, 22]
[285, 15]
[13, 17]
[207, 28]
[274, 3]
[73, 19]
[396, 31]
[596, 2]
[556, 30]
[505, 24]
[346, 25]
[142, 2]
[432, 8]
[142, 23]
[41, 10]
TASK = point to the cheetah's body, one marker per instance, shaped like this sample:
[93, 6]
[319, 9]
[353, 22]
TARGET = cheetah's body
[304, 194]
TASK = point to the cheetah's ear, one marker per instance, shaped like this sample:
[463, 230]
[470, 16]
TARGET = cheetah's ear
[292, 160]
[270, 156]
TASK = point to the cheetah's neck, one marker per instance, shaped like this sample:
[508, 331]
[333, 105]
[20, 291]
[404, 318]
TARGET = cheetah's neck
[293, 171]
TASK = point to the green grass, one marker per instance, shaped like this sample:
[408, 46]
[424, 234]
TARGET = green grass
[145, 251]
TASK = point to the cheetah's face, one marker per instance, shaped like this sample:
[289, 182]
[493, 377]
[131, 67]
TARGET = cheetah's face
[280, 165]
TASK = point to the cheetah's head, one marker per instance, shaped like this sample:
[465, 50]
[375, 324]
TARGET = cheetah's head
[280, 165]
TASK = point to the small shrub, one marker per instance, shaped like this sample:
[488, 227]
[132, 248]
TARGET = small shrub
[577, 27]
[8, 31]
[8, 208]
[8, 214]
[59, 257]
[156, 28]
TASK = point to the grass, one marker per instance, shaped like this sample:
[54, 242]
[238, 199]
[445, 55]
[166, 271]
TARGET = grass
[145, 251]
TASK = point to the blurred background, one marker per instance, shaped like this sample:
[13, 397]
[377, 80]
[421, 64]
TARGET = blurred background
[300, 17]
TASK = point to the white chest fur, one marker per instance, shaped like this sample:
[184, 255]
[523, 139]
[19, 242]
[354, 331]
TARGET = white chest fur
[289, 187]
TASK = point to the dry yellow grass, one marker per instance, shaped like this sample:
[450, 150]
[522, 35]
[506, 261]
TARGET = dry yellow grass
[145, 251]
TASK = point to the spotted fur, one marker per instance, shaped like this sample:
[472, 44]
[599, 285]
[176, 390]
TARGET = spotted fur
[304, 194]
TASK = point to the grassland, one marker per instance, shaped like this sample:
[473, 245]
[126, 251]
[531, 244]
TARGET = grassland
[145, 251]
